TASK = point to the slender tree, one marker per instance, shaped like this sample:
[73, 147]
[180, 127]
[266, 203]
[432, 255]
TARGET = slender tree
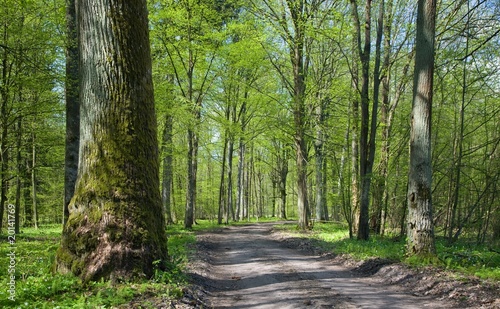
[116, 224]
[420, 239]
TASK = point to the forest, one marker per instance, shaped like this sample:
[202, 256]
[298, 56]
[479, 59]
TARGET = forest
[255, 110]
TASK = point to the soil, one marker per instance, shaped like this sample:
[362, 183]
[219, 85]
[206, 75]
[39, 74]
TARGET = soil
[253, 266]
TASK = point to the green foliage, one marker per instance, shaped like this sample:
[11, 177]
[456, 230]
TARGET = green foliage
[479, 260]
[38, 287]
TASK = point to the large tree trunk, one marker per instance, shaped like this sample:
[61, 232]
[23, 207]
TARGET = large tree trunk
[116, 226]
[300, 134]
[420, 240]
[72, 108]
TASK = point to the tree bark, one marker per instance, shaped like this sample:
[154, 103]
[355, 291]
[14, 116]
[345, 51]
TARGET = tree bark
[321, 211]
[34, 179]
[166, 185]
[19, 163]
[365, 165]
[4, 151]
[72, 107]
[116, 227]
[420, 240]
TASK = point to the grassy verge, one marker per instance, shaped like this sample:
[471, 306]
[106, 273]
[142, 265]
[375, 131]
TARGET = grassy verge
[37, 287]
[463, 257]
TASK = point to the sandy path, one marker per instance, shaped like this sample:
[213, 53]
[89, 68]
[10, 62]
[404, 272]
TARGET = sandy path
[246, 268]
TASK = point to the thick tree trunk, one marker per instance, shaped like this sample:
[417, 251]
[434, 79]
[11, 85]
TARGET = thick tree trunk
[420, 240]
[300, 134]
[116, 225]
[72, 107]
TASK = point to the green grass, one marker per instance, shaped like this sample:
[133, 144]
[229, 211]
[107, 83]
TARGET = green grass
[36, 286]
[462, 257]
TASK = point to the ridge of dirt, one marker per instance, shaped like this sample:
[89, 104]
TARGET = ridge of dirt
[463, 291]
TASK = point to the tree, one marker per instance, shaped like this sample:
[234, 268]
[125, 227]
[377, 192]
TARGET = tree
[72, 108]
[116, 224]
[292, 19]
[420, 239]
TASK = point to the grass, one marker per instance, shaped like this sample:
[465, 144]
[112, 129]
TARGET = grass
[463, 257]
[36, 286]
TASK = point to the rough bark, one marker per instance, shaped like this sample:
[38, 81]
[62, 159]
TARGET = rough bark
[116, 225]
[420, 240]
[297, 56]
[72, 107]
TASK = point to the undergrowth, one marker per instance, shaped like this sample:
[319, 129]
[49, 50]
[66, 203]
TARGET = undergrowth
[462, 256]
[36, 286]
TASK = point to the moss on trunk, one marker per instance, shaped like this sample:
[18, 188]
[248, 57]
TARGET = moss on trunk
[115, 228]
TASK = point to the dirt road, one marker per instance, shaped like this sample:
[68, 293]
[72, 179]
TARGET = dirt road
[244, 267]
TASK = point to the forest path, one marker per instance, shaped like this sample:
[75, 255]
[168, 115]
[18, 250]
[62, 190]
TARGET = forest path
[245, 267]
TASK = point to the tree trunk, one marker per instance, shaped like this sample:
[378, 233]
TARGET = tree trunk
[4, 151]
[28, 210]
[365, 164]
[19, 163]
[241, 180]
[282, 166]
[377, 81]
[321, 212]
[116, 227]
[34, 180]
[72, 107]
[300, 135]
[192, 159]
[230, 209]
[222, 190]
[420, 240]
[166, 186]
